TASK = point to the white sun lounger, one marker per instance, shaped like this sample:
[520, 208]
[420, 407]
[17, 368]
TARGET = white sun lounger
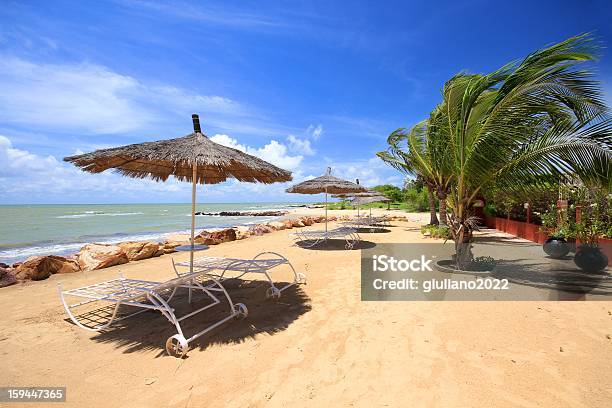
[263, 263]
[312, 238]
[367, 222]
[147, 295]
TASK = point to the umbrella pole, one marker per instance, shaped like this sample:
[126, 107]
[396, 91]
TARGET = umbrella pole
[193, 203]
[326, 210]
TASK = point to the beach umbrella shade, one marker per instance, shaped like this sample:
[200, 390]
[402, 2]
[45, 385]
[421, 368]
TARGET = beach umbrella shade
[193, 158]
[327, 184]
[367, 193]
[370, 199]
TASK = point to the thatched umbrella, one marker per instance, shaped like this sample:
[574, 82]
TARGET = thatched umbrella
[370, 199]
[326, 184]
[192, 158]
[367, 193]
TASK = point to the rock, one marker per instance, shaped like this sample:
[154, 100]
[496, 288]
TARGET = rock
[7, 278]
[288, 224]
[307, 221]
[216, 237]
[277, 225]
[3, 265]
[136, 251]
[242, 232]
[297, 223]
[41, 267]
[16, 265]
[261, 229]
[98, 256]
[244, 213]
[168, 247]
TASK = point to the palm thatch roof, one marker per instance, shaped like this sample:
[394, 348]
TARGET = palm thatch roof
[161, 159]
[326, 184]
[367, 193]
[373, 199]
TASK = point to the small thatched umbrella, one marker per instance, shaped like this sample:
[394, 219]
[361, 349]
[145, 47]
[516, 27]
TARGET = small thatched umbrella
[326, 184]
[370, 199]
[192, 158]
[367, 193]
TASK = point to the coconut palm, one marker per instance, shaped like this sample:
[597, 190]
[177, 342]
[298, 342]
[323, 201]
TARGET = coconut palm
[422, 152]
[405, 162]
[523, 124]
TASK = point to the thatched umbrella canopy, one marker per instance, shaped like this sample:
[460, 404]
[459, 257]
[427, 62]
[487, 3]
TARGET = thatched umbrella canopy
[367, 193]
[326, 184]
[360, 200]
[192, 158]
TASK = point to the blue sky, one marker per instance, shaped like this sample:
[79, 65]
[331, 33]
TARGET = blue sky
[304, 85]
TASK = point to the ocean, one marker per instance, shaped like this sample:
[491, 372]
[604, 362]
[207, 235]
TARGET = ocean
[27, 230]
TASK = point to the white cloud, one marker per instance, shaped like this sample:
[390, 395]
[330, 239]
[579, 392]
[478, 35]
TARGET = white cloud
[92, 98]
[315, 132]
[273, 152]
[302, 146]
[370, 172]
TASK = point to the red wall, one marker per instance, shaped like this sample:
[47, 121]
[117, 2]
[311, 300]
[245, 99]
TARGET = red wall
[531, 232]
[519, 229]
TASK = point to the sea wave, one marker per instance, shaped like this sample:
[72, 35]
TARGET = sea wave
[96, 214]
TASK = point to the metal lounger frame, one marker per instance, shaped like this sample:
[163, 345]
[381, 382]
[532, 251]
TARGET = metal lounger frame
[258, 264]
[149, 295]
[349, 234]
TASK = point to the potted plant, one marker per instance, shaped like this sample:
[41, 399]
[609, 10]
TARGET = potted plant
[555, 225]
[589, 256]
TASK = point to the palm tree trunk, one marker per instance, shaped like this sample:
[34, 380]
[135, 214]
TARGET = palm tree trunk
[433, 217]
[442, 201]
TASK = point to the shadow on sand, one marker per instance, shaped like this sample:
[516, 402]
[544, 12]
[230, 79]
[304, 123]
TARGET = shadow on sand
[334, 245]
[150, 330]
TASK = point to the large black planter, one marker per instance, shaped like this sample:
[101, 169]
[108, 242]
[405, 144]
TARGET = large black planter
[556, 248]
[590, 259]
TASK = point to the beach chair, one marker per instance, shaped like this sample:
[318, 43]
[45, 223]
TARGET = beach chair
[147, 295]
[312, 238]
[370, 223]
[262, 264]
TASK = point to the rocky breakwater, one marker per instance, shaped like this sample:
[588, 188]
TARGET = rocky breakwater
[98, 256]
[245, 213]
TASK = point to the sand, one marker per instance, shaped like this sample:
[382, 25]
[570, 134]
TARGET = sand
[319, 345]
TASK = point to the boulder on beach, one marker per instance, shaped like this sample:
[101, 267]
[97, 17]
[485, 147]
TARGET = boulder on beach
[136, 251]
[277, 225]
[216, 237]
[98, 256]
[307, 221]
[41, 267]
[261, 229]
[242, 232]
[297, 223]
[7, 278]
[288, 224]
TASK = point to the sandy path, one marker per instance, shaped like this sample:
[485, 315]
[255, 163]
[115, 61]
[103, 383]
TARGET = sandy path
[317, 346]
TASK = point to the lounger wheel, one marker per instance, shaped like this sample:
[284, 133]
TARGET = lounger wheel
[177, 346]
[273, 292]
[241, 310]
[348, 245]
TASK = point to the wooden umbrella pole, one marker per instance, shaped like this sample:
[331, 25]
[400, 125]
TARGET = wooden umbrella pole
[193, 203]
[325, 209]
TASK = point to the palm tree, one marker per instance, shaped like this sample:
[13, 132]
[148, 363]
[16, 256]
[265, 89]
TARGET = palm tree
[522, 125]
[406, 161]
[422, 152]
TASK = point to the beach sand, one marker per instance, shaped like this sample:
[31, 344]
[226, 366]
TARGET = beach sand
[319, 345]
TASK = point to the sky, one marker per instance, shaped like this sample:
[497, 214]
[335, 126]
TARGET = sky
[304, 85]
